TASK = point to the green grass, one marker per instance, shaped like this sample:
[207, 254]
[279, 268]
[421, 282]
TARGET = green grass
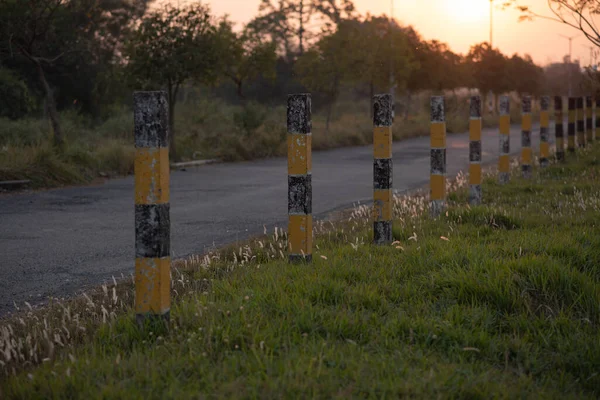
[496, 301]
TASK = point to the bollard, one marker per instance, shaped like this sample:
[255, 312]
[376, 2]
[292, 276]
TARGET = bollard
[299, 142]
[382, 169]
[544, 131]
[437, 190]
[152, 222]
[580, 123]
[526, 153]
[571, 126]
[559, 129]
[589, 114]
[475, 151]
[597, 117]
[504, 160]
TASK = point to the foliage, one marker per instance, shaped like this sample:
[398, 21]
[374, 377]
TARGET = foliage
[578, 14]
[15, 101]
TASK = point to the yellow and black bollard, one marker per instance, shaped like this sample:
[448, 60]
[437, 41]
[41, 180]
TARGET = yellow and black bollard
[152, 221]
[580, 123]
[597, 118]
[299, 178]
[382, 168]
[559, 129]
[504, 159]
[571, 125]
[437, 192]
[526, 153]
[475, 151]
[544, 131]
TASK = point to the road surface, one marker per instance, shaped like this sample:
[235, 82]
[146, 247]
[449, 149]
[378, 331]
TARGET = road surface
[57, 241]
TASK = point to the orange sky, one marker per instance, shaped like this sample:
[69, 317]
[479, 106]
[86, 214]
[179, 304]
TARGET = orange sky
[460, 23]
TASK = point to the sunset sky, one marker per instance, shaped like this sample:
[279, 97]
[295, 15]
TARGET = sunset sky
[460, 23]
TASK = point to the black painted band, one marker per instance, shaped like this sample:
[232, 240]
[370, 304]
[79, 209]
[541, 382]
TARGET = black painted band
[382, 110]
[150, 119]
[300, 194]
[382, 232]
[152, 230]
[299, 258]
[299, 113]
[558, 130]
[438, 161]
[475, 150]
[382, 173]
[525, 139]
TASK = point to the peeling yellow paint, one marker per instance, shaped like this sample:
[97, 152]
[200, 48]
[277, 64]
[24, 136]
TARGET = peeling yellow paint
[382, 142]
[152, 285]
[438, 134]
[300, 234]
[299, 154]
[151, 168]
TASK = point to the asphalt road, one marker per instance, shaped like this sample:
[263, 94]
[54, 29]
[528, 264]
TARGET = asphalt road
[57, 241]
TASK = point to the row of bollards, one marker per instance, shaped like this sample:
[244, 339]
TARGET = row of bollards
[152, 222]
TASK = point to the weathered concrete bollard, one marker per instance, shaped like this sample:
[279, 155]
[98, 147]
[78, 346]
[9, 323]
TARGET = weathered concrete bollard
[382, 169]
[597, 118]
[580, 123]
[589, 115]
[152, 221]
[299, 139]
[475, 128]
[559, 129]
[544, 131]
[504, 159]
[437, 189]
[571, 126]
[526, 153]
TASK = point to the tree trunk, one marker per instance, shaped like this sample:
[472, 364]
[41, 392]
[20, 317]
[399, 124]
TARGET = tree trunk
[408, 101]
[240, 92]
[329, 109]
[301, 29]
[372, 92]
[172, 98]
[51, 108]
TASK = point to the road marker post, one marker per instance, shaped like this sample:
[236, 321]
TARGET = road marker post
[589, 115]
[299, 141]
[559, 129]
[597, 117]
[571, 125]
[526, 152]
[382, 169]
[504, 159]
[475, 127]
[544, 131]
[580, 123]
[152, 209]
[437, 187]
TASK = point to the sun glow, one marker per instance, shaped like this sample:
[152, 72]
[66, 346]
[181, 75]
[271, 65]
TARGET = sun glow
[467, 10]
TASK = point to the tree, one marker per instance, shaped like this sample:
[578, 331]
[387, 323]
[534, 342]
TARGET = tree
[378, 46]
[25, 32]
[524, 76]
[578, 14]
[172, 46]
[54, 43]
[291, 23]
[245, 56]
[488, 68]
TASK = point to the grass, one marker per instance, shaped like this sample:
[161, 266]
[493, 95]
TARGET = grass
[205, 129]
[496, 301]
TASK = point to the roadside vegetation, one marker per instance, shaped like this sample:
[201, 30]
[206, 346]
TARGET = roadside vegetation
[68, 70]
[500, 300]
